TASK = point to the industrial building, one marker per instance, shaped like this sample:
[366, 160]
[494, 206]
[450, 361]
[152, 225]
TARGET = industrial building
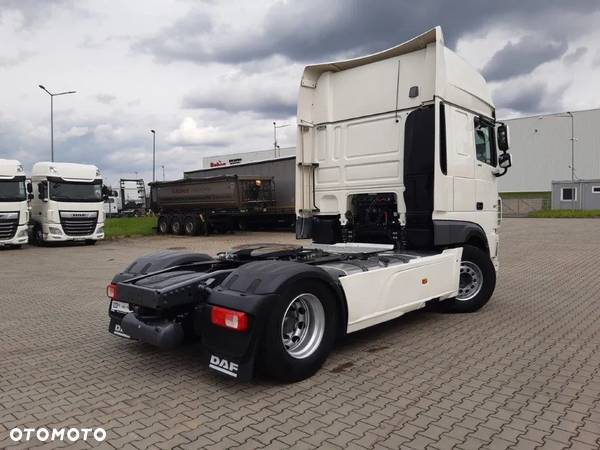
[583, 194]
[234, 159]
[542, 152]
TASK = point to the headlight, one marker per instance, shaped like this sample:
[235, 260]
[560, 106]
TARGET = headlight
[100, 230]
[22, 233]
[55, 231]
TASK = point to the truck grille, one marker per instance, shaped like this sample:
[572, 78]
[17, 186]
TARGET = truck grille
[9, 221]
[78, 223]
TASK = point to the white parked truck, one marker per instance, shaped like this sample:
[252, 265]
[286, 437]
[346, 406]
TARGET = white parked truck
[14, 212]
[397, 159]
[68, 204]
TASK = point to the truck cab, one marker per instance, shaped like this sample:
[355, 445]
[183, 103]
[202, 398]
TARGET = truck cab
[68, 204]
[397, 159]
[400, 147]
[14, 212]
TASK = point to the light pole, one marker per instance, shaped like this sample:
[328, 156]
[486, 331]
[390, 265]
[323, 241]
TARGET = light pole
[153, 155]
[275, 146]
[163, 168]
[570, 114]
[52, 115]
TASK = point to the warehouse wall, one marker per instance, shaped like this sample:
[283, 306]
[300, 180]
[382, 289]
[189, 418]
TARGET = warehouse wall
[541, 151]
[283, 171]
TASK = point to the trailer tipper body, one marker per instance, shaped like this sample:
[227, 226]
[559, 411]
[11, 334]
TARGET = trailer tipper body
[223, 203]
[397, 159]
[14, 212]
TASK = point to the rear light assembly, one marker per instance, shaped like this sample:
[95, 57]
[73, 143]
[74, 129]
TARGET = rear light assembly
[112, 291]
[229, 318]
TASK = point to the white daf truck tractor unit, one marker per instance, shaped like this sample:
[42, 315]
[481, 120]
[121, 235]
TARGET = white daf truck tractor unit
[68, 204]
[14, 212]
[398, 155]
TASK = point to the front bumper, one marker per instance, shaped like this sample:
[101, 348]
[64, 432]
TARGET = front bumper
[21, 237]
[55, 233]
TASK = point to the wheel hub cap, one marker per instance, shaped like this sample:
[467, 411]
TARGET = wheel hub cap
[471, 281]
[303, 326]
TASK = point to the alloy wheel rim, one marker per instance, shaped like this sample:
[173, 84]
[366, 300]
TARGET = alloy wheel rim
[303, 326]
[471, 281]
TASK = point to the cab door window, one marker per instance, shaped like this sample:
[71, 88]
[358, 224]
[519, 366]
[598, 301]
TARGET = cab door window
[485, 148]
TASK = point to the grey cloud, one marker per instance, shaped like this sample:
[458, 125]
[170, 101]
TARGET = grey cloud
[271, 106]
[307, 30]
[106, 99]
[20, 57]
[32, 11]
[575, 56]
[522, 57]
[529, 97]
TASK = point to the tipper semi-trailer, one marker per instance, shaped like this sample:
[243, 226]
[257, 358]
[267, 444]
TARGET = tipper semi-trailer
[68, 204]
[201, 205]
[14, 212]
[398, 154]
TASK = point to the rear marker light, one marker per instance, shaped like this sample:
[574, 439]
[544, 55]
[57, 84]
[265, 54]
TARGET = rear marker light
[228, 318]
[112, 291]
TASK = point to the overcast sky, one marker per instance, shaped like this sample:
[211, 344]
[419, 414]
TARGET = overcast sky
[212, 76]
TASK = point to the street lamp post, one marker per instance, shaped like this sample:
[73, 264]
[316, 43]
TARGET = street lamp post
[52, 95]
[275, 146]
[153, 155]
[163, 168]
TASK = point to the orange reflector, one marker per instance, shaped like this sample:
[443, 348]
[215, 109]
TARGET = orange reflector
[228, 318]
[424, 281]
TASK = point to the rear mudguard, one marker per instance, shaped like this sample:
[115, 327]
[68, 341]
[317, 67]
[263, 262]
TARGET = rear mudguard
[252, 288]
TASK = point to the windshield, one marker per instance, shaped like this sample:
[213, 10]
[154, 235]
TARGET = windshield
[62, 191]
[12, 191]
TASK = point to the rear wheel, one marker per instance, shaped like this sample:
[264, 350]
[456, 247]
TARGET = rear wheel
[300, 332]
[190, 226]
[163, 225]
[477, 282]
[177, 225]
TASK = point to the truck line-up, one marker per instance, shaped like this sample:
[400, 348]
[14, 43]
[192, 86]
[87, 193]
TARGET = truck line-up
[66, 203]
[398, 155]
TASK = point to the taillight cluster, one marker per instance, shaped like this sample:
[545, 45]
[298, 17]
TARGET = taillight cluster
[229, 318]
[112, 291]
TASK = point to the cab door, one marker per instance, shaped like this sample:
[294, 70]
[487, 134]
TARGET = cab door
[486, 194]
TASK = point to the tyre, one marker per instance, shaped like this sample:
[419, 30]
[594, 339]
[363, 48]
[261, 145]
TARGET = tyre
[177, 225]
[300, 332]
[477, 282]
[37, 237]
[163, 225]
[190, 226]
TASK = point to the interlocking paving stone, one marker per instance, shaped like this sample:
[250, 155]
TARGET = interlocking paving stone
[524, 372]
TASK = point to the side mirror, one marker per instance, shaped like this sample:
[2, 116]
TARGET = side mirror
[43, 191]
[503, 138]
[30, 196]
[29, 188]
[505, 160]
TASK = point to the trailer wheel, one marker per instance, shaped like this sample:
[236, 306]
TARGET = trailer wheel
[477, 282]
[300, 332]
[190, 226]
[176, 225]
[163, 225]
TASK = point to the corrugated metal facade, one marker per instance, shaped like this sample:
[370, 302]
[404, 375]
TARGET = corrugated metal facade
[541, 150]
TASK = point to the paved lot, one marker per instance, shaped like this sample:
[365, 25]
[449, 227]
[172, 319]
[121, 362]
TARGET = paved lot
[523, 372]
